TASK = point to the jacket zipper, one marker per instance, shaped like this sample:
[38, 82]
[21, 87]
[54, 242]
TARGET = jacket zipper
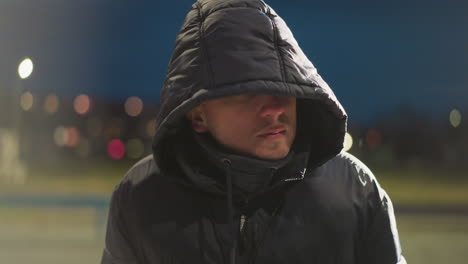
[242, 221]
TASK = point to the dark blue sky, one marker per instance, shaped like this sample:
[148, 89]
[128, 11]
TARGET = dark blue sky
[376, 55]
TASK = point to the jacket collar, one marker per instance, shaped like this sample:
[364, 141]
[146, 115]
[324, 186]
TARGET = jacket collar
[206, 164]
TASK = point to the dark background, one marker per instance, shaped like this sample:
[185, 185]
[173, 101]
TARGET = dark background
[377, 55]
[398, 67]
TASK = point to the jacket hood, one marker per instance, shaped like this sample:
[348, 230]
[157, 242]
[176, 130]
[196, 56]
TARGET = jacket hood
[231, 47]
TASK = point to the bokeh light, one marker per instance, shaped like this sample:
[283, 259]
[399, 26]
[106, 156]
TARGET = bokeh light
[116, 149]
[26, 101]
[60, 136]
[133, 106]
[151, 128]
[73, 137]
[455, 118]
[66, 136]
[373, 138]
[51, 104]
[25, 68]
[348, 142]
[82, 104]
[135, 148]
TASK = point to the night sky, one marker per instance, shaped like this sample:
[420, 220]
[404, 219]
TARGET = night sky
[377, 55]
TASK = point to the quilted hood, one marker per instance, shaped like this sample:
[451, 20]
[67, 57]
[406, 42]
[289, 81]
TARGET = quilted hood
[231, 47]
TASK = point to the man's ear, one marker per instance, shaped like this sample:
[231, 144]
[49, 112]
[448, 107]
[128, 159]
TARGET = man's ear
[198, 120]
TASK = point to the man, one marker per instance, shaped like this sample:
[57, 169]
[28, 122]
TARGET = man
[247, 165]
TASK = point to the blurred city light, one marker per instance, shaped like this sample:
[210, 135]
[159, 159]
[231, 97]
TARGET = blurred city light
[12, 168]
[135, 148]
[73, 137]
[455, 118]
[94, 127]
[26, 101]
[82, 104]
[373, 138]
[60, 136]
[51, 104]
[133, 106]
[25, 68]
[151, 128]
[116, 149]
[348, 142]
[83, 148]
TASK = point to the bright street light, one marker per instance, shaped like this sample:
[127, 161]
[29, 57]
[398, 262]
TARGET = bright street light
[25, 68]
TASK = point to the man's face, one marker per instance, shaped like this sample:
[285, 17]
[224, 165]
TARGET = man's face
[261, 126]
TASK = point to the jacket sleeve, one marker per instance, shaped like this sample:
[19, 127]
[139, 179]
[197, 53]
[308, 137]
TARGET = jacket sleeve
[379, 238]
[381, 241]
[118, 247]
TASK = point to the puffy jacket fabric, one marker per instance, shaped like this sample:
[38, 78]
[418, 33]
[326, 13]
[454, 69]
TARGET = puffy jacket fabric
[332, 211]
[336, 214]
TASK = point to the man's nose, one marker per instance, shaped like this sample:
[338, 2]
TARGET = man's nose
[272, 106]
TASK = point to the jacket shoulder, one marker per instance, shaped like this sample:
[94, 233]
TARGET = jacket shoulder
[141, 171]
[145, 182]
[140, 182]
[349, 170]
[347, 161]
[139, 175]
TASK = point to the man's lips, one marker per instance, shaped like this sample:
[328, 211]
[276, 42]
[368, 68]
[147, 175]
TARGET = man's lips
[273, 132]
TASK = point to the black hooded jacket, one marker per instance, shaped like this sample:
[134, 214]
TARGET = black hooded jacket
[194, 202]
